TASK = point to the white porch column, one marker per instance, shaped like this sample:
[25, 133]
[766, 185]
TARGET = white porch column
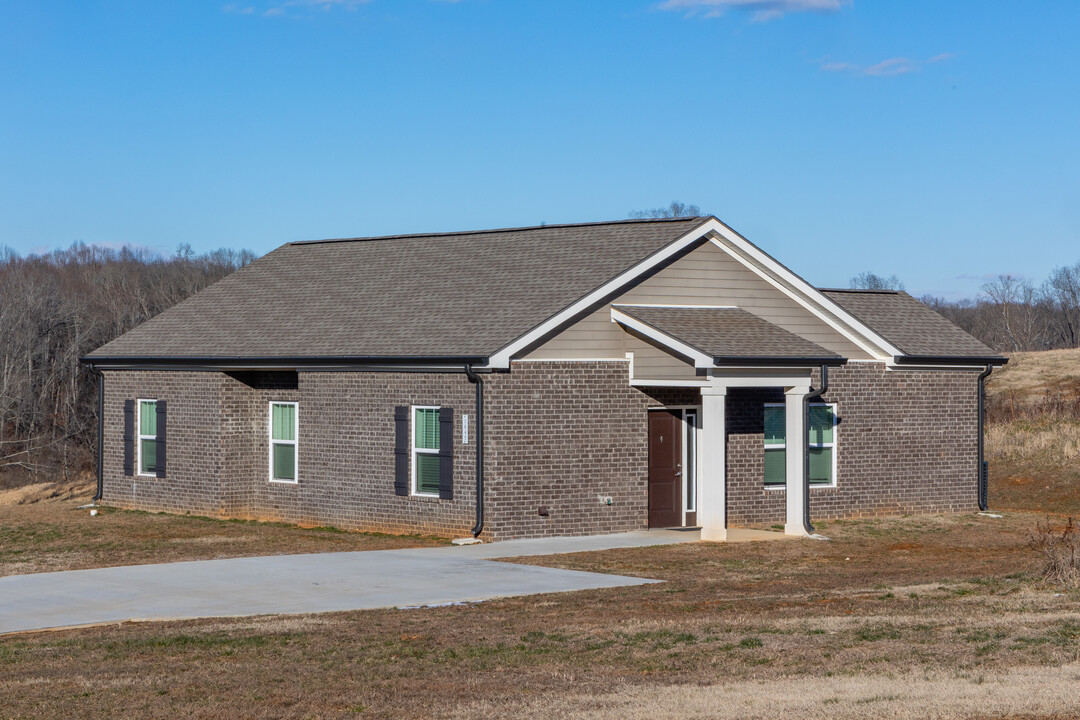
[795, 430]
[712, 476]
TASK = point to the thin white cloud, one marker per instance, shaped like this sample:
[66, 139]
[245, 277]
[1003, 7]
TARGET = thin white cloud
[886, 68]
[892, 66]
[283, 7]
[760, 10]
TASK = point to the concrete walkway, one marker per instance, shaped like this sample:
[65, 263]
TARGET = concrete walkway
[322, 582]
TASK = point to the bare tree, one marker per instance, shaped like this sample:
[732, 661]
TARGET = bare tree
[675, 210]
[56, 308]
[1017, 304]
[1062, 293]
[870, 281]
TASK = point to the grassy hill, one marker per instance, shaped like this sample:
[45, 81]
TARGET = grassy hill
[1033, 432]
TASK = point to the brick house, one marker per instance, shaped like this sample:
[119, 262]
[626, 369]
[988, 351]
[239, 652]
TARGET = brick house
[553, 380]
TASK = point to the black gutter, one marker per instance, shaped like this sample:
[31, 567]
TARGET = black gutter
[100, 435]
[948, 360]
[983, 471]
[478, 381]
[806, 446]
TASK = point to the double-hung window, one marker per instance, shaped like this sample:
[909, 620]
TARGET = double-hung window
[822, 444]
[425, 451]
[147, 441]
[283, 440]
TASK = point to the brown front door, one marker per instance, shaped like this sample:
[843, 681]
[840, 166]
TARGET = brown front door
[665, 468]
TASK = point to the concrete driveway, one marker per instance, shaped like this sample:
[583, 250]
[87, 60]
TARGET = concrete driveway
[322, 582]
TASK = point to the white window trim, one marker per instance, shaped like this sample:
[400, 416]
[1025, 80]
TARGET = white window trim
[295, 442]
[809, 445]
[414, 451]
[139, 437]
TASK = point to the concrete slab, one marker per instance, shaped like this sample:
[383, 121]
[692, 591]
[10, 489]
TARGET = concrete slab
[320, 582]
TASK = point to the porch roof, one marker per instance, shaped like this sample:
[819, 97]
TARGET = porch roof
[726, 335]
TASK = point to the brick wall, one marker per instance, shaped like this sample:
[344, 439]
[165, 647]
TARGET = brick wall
[193, 464]
[562, 435]
[905, 443]
[558, 435]
[218, 448]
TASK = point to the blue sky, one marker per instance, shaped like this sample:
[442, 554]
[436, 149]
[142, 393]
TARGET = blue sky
[937, 141]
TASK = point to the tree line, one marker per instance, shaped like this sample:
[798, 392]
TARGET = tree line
[60, 306]
[1013, 314]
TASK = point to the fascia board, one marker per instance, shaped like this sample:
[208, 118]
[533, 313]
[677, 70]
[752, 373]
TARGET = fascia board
[501, 358]
[881, 349]
[701, 360]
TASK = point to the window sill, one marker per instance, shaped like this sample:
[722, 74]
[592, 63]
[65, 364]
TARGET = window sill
[816, 486]
[283, 482]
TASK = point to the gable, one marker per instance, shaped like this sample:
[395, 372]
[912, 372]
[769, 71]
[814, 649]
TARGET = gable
[707, 275]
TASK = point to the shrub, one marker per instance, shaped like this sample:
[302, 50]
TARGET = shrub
[1060, 552]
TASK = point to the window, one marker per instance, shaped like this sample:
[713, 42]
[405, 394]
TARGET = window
[425, 451]
[147, 442]
[822, 444]
[283, 460]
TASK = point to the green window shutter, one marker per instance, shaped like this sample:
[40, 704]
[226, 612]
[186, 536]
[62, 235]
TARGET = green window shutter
[775, 466]
[821, 424]
[426, 428]
[821, 465]
[427, 473]
[775, 426]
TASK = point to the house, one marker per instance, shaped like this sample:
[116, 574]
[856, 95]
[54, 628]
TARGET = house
[553, 380]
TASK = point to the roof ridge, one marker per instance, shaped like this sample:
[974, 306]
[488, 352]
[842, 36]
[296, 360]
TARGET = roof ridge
[634, 221]
[880, 291]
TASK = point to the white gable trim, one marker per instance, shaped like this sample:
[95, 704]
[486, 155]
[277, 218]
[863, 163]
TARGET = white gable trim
[501, 359]
[701, 360]
[827, 310]
[757, 261]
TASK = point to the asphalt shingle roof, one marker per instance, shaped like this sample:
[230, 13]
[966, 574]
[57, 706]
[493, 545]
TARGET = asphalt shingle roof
[451, 295]
[910, 325]
[727, 334]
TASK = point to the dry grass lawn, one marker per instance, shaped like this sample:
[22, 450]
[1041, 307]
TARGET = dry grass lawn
[46, 532]
[914, 617]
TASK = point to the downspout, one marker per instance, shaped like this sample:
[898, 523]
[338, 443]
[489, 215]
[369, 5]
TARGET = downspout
[100, 434]
[806, 446]
[983, 479]
[476, 380]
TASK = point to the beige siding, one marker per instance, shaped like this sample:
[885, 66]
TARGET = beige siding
[707, 276]
[652, 363]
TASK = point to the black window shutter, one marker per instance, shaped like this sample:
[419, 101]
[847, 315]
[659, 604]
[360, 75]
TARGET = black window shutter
[159, 469]
[129, 437]
[401, 450]
[446, 453]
